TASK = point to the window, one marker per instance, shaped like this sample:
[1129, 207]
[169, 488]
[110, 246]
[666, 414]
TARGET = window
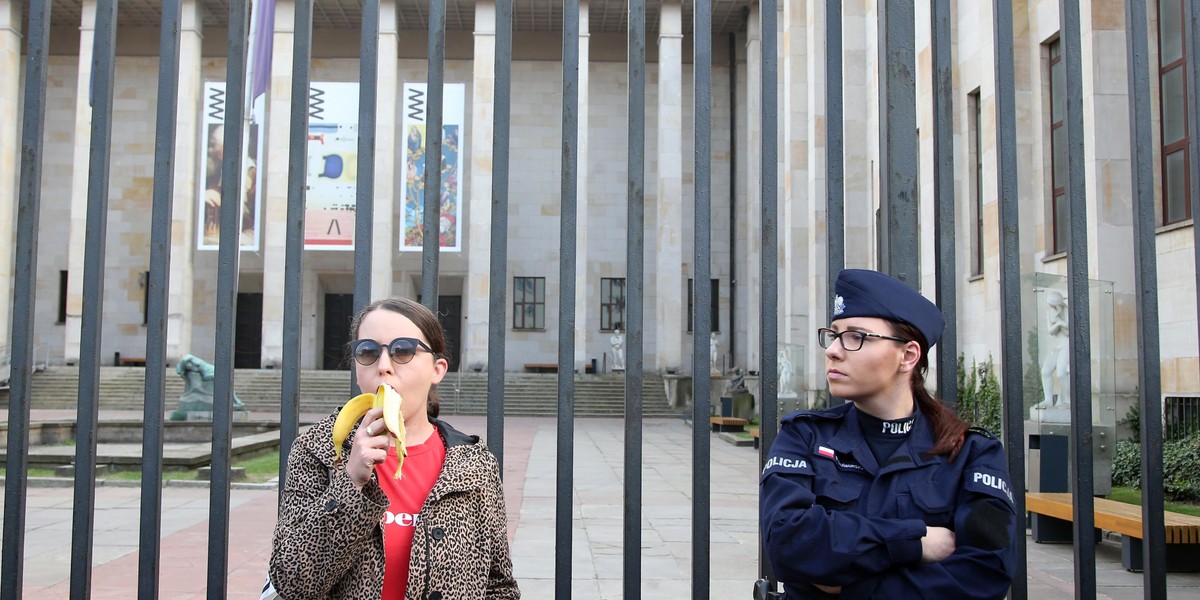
[62, 298]
[529, 302]
[1172, 98]
[1058, 150]
[974, 114]
[612, 303]
[716, 305]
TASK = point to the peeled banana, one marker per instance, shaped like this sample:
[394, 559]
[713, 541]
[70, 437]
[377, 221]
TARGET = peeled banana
[390, 401]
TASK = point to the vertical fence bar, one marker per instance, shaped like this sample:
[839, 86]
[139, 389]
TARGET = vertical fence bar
[733, 188]
[634, 294]
[769, 194]
[702, 292]
[502, 105]
[368, 86]
[1145, 273]
[156, 296]
[1082, 482]
[293, 269]
[432, 205]
[228, 254]
[835, 146]
[565, 477]
[84, 508]
[943, 192]
[898, 141]
[1010, 274]
[25, 279]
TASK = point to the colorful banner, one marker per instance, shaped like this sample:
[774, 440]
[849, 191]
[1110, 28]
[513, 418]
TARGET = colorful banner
[450, 193]
[331, 174]
[209, 208]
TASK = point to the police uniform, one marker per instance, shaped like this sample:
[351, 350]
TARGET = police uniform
[832, 515]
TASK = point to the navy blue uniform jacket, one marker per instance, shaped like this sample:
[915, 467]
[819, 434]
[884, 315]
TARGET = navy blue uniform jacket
[830, 515]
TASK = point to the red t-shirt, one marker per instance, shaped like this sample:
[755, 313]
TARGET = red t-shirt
[421, 469]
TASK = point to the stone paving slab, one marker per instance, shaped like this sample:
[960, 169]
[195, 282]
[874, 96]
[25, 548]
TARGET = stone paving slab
[530, 466]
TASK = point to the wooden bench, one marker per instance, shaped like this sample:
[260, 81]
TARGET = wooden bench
[541, 367]
[129, 361]
[1182, 531]
[733, 424]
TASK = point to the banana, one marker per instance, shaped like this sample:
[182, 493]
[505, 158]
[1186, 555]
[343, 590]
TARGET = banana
[390, 401]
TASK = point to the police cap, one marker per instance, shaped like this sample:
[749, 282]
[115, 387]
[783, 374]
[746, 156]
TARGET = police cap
[865, 293]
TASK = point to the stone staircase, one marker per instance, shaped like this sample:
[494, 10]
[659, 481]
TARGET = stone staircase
[525, 394]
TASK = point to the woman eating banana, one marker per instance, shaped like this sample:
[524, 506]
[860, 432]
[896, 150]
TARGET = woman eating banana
[397, 504]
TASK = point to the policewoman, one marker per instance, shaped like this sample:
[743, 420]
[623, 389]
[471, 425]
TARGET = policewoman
[890, 495]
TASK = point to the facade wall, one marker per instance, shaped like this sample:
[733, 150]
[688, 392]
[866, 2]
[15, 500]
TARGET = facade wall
[535, 188]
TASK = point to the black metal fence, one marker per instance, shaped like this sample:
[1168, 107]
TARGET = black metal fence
[898, 175]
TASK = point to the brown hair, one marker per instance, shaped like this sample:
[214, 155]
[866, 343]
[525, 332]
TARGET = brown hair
[949, 431]
[425, 320]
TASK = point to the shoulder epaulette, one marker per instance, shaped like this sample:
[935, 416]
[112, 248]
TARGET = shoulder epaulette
[981, 431]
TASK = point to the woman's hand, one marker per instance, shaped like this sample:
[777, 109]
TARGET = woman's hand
[370, 448]
[937, 544]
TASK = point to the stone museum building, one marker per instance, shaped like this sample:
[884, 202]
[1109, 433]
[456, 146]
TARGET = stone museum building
[533, 237]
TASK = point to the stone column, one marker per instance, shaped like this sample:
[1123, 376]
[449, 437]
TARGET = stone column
[794, 202]
[668, 282]
[384, 246]
[750, 225]
[188, 143]
[583, 284]
[10, 79]
[278, 132]
[813, 232]
[81, 145]
[479, 208]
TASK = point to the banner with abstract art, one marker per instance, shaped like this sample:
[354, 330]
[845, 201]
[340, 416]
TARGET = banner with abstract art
[211, 163]
[331, 175]
[450, 193]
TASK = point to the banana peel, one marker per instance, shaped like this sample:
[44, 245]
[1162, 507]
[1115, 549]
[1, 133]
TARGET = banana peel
[390, 401]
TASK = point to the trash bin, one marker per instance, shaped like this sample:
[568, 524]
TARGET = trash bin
[726, 406]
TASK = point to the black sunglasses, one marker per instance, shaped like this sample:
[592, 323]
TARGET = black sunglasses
[401, 350]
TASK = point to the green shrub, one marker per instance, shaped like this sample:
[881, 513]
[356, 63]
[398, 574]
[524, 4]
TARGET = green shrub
[1181, 467]
[979, 401]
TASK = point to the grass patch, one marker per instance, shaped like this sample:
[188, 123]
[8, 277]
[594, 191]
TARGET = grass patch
[1131, 496]
[259, 469]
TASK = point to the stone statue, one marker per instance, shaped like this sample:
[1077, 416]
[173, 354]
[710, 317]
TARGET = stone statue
[1056, 365]
[618, 349]
[196, 403]
[712, 353]
[785, 373]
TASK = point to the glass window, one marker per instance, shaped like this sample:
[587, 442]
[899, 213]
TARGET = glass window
[612, 303]
[1175, 201]
[529, 303]
[1058, 151]
[1170, 31]
[1175, 149]
[975, 115]
[1174, 117]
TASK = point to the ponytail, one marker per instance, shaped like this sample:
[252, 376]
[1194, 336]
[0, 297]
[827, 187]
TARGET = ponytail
[949, 431]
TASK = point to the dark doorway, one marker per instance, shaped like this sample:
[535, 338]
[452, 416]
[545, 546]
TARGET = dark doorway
[339, 309]
[450, 316]
[247, 333]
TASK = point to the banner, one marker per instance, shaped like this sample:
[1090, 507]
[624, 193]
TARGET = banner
[331, 174]
[450, 193]
[213, 129]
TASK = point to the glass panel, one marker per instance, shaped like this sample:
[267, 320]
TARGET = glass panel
[1174, 117]
[1058, 142]
[1058, 91]
[1061, 215]
[605, 290]
[530, 322]
[539, 316]
[539, 293]
[1170, 31]
[1175, 192]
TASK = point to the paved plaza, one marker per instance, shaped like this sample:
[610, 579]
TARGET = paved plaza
[530, 466]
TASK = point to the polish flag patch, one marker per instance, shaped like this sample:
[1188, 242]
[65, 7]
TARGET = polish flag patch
[826, 452]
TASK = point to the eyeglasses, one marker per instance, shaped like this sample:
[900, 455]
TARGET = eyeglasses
[401, 350]
[851, 340]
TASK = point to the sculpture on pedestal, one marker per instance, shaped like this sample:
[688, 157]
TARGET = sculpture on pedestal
[712, 353]
[1056, 364]
[785, 373]
[196, 403]
[618, 349]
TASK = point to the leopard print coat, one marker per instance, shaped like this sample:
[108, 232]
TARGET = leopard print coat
[329, 538]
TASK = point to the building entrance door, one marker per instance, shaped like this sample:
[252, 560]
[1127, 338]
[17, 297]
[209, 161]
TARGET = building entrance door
[247, 334]
[450, 316]
[339, 309]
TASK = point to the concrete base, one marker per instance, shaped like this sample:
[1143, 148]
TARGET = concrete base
[737, 441]
[235, 474]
